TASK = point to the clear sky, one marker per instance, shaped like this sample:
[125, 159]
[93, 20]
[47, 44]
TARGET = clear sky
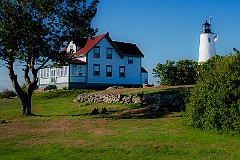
[165, 29]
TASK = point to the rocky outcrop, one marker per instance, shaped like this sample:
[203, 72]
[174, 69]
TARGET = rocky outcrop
[163, 99]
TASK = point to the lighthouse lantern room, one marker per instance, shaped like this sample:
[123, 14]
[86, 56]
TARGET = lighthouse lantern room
[207, 45]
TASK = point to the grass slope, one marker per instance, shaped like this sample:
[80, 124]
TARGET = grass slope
[61, 129]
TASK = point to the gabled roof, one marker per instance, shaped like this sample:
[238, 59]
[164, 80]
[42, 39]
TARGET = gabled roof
[128, 49]
[87, 44]
[121, 48]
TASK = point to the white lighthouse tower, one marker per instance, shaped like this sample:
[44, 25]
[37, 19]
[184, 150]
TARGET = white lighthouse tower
[207, 45]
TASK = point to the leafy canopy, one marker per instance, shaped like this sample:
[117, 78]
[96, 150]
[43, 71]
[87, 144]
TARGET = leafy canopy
[182, 72]
[36, 31]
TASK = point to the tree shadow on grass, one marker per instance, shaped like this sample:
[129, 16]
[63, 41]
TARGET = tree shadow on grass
[141, 112]
[150, 112]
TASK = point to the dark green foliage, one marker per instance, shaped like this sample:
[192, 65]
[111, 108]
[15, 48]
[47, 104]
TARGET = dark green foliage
[182, 72]
[214, 102]
[7, 94]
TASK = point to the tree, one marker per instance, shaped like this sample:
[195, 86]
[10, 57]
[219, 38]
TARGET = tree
[182, 72]
[34, 33]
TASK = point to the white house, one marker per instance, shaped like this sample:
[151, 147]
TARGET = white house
[99, 62]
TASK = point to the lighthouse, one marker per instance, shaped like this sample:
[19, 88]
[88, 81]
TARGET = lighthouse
[207, 44]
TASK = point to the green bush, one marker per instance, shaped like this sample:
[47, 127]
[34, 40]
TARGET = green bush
[7, 94]
[214, 102]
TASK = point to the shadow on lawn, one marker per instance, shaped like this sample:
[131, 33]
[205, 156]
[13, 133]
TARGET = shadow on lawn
[142, 112]
[150, 112]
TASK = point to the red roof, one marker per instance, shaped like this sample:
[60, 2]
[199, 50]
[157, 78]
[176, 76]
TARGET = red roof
[78, 61]
[89, 44]
[122, 48]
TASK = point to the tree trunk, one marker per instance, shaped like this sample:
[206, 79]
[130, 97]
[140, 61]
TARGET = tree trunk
[26, 104]
[24, 96]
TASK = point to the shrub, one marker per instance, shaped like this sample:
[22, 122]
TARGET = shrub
[7, 93]
[214, 102]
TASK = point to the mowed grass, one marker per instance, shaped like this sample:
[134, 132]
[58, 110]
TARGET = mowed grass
[62, 129]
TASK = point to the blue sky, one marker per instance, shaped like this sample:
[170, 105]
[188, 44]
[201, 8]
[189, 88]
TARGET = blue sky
[165, 29]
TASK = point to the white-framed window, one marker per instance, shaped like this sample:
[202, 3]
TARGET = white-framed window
[108, 71]
[53, 72]
[61, 71]
[71, 48]
[96, 70]
[44, 73]
[47, 72]
[58, 72]
[130, 60]
[109, 53]
[65, 70]
[122, 71]
[97, 52]
[41, 73]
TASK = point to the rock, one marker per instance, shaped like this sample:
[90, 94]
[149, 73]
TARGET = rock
[94, 111]
[4, 121]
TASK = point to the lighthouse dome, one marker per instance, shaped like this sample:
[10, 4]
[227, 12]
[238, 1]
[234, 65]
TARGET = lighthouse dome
[206, 27]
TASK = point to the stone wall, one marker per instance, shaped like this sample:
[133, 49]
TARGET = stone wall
[160, 98]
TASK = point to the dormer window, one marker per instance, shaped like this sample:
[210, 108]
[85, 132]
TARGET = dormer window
[97, 52]
[71, 48]
[130, 60]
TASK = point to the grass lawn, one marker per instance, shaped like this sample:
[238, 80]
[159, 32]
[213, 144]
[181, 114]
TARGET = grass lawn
[62, 129]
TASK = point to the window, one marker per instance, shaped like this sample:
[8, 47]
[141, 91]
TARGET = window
[109, 53]
[122, 71]
[78, 70]
[81, 70]
[44, 73]
[41, 73]
[74, 70]
[58, 72]
[47, 72]
[97, 52]
[209, 40]
[65, 70]
[96, 70]
[130, 60]
[53, 72]
[108, 71]
[71, 48]
[61, 70]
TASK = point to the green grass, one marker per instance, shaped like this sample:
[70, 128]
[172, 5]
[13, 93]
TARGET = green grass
[62, 129]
